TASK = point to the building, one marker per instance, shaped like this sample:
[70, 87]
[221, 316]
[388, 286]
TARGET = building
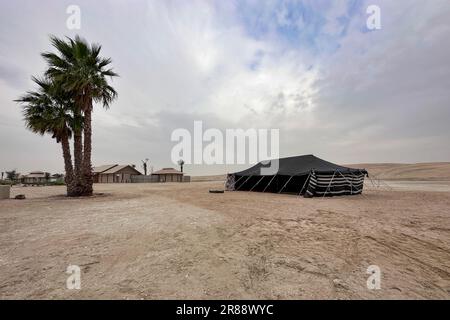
[57, 177]
[35, 177]
[114, 173]
[168, 175]
[96, 171]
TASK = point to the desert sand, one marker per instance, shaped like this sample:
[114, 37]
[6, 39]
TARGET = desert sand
[159, 241]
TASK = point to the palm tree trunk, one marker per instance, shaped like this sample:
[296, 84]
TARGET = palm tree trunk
[77, 182]
[78, 152]
[87, 164]
[67, 165]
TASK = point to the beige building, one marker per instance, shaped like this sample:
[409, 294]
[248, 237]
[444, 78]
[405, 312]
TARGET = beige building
[114, 173]
[35, 177]
[168, 175]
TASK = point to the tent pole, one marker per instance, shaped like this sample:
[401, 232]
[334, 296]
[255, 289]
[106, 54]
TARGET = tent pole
[351, 183]
[362, 186]
[304, 185]
[285, 184]
[228, 180]
[379, 183]
[331, 181]
[257, 183]
[243, 183]
[371, 181]
[269, 183]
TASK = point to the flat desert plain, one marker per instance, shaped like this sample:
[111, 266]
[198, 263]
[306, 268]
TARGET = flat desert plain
[158, 241]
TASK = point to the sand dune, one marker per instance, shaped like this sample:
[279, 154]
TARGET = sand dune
[435, 171]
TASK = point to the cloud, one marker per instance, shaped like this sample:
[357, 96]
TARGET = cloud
[309, 68]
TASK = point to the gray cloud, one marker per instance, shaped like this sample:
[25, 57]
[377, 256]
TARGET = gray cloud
[381, 96]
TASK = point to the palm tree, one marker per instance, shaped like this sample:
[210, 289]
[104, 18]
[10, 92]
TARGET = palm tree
[11, 175]
[50, 110]
[83, 73]
[144, 165]
[181, 164]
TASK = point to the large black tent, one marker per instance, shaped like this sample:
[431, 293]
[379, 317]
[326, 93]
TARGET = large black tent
[303, 175]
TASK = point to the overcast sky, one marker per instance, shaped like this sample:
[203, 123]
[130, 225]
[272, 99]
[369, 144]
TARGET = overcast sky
[310, 68]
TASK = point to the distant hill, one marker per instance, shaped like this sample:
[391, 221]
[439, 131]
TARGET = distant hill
[433, 171]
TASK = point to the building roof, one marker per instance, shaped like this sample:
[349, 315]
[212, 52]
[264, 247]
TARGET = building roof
[36, 174]
[103, 168]
[117, 168]
[168, 171]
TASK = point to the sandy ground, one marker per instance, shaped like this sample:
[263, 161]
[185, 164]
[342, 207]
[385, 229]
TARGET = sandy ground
[157, 241]
[412, 185]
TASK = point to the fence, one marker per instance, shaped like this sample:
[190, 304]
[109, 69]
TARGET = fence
[143, 179]
[152, 179]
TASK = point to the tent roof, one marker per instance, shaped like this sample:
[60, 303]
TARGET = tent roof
[298, 165]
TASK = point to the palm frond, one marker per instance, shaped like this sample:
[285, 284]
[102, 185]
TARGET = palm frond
[49, 109]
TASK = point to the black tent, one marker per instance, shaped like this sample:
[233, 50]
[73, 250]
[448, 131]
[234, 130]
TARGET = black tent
[303, 175]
